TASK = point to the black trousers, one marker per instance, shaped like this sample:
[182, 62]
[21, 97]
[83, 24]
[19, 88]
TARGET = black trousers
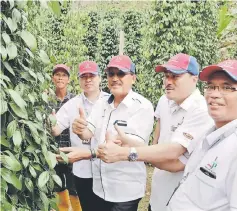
[103, 205]
[64, 171]
[149, 208]
[85, 193]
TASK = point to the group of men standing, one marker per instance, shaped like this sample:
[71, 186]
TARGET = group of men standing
[195, 158]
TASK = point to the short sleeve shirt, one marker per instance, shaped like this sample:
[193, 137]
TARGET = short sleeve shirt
[184, 124]
[210, 177]
[121, 181]
[65, 117]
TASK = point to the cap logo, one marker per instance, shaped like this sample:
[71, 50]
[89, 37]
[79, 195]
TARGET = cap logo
[87, 66]
[118, 59]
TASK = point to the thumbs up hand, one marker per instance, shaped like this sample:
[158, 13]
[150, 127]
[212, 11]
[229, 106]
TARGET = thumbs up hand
[109, 151]
[79, 125]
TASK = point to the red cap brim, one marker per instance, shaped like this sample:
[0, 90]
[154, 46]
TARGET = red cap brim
[164, 67]
[207, 71]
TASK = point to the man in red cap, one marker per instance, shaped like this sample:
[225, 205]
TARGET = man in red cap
[210, 176]
[118, 186]
[89, 79]
[67, 193]
[181, 119]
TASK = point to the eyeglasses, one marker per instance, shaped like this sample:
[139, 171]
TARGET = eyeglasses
[119, 74]
[224, 90]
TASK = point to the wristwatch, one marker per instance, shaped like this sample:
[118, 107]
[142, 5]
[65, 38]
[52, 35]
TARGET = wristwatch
[133, 154]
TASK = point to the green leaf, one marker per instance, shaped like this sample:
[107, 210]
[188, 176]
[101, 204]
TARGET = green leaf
[6, 38]
[11, 51]
[11, 163]
[11, 4]
[38, 115]
[54, 5]
[11, 128]
[45, 200]
[9, 68]
[43, 179]
[29, 184]
[45, 97]
[16, 15]
[3, 53]
[25, 161]
[21, 4]
[17, 139]
[32, 171]
[17, 98]
[57, 179]
[4, 141]
[31, 98]
[3, 106]
[64, 157]
[40, 77]
[21, 112]
[11, 178]
[51, 159]
[29, 40]
[44, 57]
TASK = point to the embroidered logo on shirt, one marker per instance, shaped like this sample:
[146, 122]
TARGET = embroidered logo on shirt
[210, 168]
[188, 136]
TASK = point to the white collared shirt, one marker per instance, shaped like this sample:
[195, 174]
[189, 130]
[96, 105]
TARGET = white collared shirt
[65, 117]
[210, 177]
[184, 124]
[121, 181]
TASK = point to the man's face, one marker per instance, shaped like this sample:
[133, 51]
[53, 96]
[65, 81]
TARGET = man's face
[89, 82]
[60, 79]
[179, 87]
[119, 82]
[221, 99]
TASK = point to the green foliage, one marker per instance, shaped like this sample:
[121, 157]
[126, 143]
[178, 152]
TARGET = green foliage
[25, 140]
[174, 27]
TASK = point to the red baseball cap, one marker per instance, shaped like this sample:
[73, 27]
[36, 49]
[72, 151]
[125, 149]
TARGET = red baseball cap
[88, 67]
[122, 62]
[61, 67]
[179, 64]
[228, 66]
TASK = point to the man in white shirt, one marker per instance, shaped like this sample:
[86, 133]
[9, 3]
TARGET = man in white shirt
[181, 119]
[90, 84]
[121, 185]
[210, 176]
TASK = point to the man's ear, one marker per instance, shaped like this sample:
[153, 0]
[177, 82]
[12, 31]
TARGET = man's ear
[195, 78]
[134, 77]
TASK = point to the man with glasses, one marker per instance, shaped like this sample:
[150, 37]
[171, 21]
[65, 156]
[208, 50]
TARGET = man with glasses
[210, 176]
[181, 119]
[119, 186]
[89, 80]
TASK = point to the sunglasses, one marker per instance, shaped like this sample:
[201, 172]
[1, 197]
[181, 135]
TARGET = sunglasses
[119, 74]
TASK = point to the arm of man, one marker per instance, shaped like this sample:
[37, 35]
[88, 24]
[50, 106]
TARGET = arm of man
[171, 165]
[156, 132]
[154, 154]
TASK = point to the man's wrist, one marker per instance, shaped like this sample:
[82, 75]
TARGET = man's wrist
[124, 153]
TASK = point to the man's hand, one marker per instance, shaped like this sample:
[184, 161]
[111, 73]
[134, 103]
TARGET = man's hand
[80, 124]
[74, 154]
[111, 152]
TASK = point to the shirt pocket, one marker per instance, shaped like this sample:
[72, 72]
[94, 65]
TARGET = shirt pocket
[201, 189]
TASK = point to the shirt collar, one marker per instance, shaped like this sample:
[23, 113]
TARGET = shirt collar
[67, 97]
[127, 101]
[214, 135]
